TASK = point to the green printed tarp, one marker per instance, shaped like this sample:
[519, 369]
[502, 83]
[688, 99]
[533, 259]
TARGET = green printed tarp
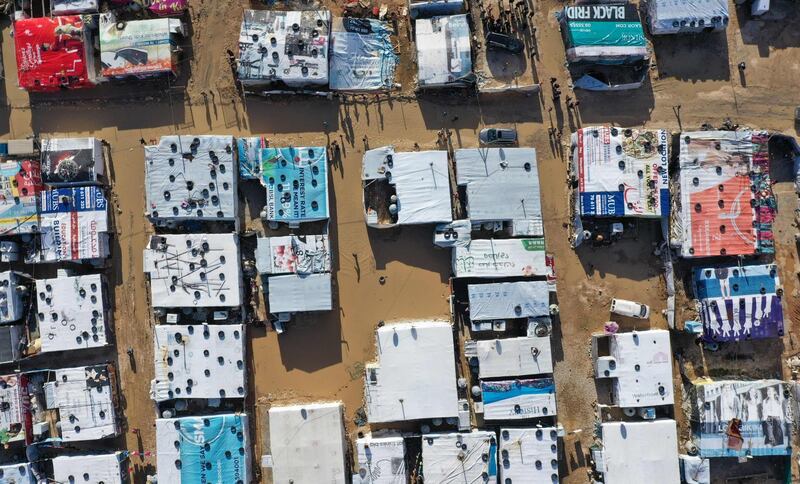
[607, 31]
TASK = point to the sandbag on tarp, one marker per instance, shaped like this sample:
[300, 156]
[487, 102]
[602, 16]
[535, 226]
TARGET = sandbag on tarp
[686, 16]
[607, 32]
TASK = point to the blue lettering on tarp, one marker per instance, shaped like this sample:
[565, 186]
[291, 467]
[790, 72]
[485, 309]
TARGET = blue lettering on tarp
[602, 203]
[84, 199]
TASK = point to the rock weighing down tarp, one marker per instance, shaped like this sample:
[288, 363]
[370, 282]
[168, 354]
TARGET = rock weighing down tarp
[739, 302]
[362, 55]
[20, 184]
[443, 51]
[621, 172]
[297, 183]
[686, 16]
[138, 47]
[742, 418]
[53, 53]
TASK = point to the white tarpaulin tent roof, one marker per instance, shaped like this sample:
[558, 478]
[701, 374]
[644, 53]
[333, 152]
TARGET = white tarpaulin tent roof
[501, 258]
[93, 469]
[415, 375]
[504, 300]
[292, 293]
[11, 307]
[420, 178]
[502, 185]
[529, 456]
[454, 458]
[443, 50]
[381, 460]
[679, 16]
[527, 355]
[194, 270]
[72, 312]
[639, 452]
[199, 361]
[12, 412]
[191, 178]
[17, 474]
[640, 366]
[308, 443]
[85, 401]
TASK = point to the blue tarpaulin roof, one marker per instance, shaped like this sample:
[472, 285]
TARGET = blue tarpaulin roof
[363, 57]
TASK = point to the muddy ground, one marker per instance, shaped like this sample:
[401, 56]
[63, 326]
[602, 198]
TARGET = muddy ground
[695, 80]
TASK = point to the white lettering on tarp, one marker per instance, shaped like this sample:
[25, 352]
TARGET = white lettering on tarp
[596, 12]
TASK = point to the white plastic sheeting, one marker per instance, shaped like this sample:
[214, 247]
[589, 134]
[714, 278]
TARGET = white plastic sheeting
[502, 185]
[301, 254]
[92, 469]
[292, 293]
[695, 469]
[17, 474]
[308, 443]
[444, 54]
[501, 258]
[639, 452]
[381, 460]
[457, 458]
[67, 7]
[529, 456]
[508, 300]
[12, 412]
[362, 55]
[527, 355]
[191, 178]
[291, 47]
[687, 16]
[72, 312]
[199, 361]
[640, 365]
[194, 270]
[85, 401]
[415, 375]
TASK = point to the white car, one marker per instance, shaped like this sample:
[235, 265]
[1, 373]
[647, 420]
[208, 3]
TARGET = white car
[631, 309]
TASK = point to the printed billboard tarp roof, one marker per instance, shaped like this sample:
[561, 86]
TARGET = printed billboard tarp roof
[212, 448]
[501, 258]
[137, 47]
[742, 418]
[502, 184]
[74, 224]
[739, 302]
[443, 50]
[250, 148]
[20, 183]
[726, 201]
[518, 399]
[72, 161]
[301, 254]
[362, 55]
[603, 31]
[52, 53]
[291, 47]
[621, 172]
[297, 183]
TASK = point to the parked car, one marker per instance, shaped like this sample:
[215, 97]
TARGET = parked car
[496, 40]
[629, 308]
[498, 136]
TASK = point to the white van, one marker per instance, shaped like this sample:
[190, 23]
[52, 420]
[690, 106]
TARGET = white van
[629, 308]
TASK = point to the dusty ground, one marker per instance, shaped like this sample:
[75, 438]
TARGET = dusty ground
[322, 357]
